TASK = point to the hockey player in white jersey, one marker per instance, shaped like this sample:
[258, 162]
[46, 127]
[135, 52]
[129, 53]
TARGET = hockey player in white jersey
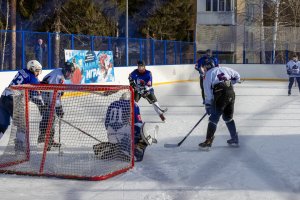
[293, 70]
[57, 76]
[219, 100]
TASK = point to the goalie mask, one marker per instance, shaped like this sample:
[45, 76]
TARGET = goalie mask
[35, 67]
[68, 70]
[125, 96]
[149, 133]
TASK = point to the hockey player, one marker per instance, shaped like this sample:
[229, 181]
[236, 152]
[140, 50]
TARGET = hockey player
[198, 67]
[117, 123]
[293, 70]
[219, 100]
[23, 76]
[141, 80]
[57, 76]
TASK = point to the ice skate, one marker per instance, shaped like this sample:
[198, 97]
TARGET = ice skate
[206, 144]
[234, 142]
[54, 144]
[289, 93]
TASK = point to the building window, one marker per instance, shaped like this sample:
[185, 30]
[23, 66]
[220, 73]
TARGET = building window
[250, 12]
[219, 5]
[229, 5]
[215, 5]
[208, 5]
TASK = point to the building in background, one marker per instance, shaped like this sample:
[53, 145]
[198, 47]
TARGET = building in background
[248, 31]
[222, 26]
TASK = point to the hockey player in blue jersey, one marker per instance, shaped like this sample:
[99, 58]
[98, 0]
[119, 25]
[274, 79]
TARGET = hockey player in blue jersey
[219, 100]
[117, 124]
[23, 76]
[141, 81]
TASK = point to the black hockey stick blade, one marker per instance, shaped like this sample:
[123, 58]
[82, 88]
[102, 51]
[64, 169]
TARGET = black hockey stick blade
[171, 145]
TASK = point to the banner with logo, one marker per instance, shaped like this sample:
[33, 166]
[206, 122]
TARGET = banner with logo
[91, 66]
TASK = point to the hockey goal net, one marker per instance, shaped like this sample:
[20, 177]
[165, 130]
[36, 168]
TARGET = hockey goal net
[61, 143]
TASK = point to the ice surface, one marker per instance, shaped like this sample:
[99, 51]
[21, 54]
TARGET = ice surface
[265, 166]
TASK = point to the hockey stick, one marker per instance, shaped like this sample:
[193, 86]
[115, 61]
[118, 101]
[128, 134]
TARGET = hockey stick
[59, 136]
[159, 108]
[178, 144]
[82, 131]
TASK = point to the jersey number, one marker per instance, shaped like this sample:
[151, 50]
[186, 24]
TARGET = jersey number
[115, 115]
[18, 80]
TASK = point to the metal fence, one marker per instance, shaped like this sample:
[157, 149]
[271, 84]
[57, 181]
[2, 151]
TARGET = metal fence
[153, 52]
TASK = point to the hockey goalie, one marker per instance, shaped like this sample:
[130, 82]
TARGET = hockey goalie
[117, 125]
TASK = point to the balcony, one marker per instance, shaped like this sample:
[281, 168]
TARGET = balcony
[216, 18]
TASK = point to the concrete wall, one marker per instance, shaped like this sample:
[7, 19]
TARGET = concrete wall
[175, 73]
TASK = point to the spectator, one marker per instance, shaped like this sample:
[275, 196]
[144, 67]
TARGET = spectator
[40, 50]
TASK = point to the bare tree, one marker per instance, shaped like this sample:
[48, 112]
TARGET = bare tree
[5, 34]
[262, 33]
[13, 34]
[276, 21]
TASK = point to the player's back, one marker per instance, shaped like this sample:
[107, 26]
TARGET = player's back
[54, 77]
[118, 114]
[23, 76]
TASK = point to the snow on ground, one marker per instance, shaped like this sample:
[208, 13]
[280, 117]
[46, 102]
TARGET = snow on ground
[265, 166]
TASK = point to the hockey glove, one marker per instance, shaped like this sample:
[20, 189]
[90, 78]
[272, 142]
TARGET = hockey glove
[59, 111]
[131, 82]
[38, 100]
[289, 72]
[146, 94]
[208, 109]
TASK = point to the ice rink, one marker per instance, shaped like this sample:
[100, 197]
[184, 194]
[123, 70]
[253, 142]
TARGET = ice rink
[265, 166]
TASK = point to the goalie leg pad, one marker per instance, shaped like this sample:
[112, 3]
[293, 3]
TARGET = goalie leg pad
[149, 133]
[139, 151]
[107, 150]
[102, 147]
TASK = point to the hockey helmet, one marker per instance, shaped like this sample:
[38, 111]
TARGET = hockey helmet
[68, 70]
[141, 66]
[209, 64]
[35, 67]
[125, 96]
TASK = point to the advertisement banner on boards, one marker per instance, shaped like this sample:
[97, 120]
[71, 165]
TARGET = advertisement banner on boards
[91, 66]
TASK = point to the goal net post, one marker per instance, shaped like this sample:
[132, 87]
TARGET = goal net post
[62, 136]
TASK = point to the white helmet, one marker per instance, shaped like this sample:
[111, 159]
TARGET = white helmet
[126, 96]
[34, 66]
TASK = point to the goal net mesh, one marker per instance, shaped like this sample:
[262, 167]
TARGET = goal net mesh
[46, 144]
